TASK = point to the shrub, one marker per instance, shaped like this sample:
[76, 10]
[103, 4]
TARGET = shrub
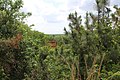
[115, 76]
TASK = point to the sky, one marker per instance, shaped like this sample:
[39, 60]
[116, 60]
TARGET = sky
[50, 16]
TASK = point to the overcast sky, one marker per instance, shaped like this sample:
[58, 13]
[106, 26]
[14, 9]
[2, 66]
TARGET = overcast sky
[50, 16]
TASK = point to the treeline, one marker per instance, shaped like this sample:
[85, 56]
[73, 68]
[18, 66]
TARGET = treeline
[85, 52]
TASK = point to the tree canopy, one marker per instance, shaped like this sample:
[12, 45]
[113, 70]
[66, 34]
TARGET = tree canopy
[84, 52]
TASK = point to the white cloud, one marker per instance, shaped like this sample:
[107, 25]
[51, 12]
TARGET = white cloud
[50, 16]
[47, 14]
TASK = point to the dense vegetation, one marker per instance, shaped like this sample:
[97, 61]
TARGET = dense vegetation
[85, 52]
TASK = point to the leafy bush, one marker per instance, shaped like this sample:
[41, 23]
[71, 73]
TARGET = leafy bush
[115, 76]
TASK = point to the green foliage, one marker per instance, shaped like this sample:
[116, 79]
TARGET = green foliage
[10, 16]
[13, 63]
[96, 38]
[115, 76]
[85, 52]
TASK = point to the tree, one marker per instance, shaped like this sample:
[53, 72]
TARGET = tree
[93, 40]
[10, 17]
[13, 63]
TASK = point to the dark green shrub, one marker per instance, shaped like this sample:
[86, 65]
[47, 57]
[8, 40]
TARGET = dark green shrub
[115, 76]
